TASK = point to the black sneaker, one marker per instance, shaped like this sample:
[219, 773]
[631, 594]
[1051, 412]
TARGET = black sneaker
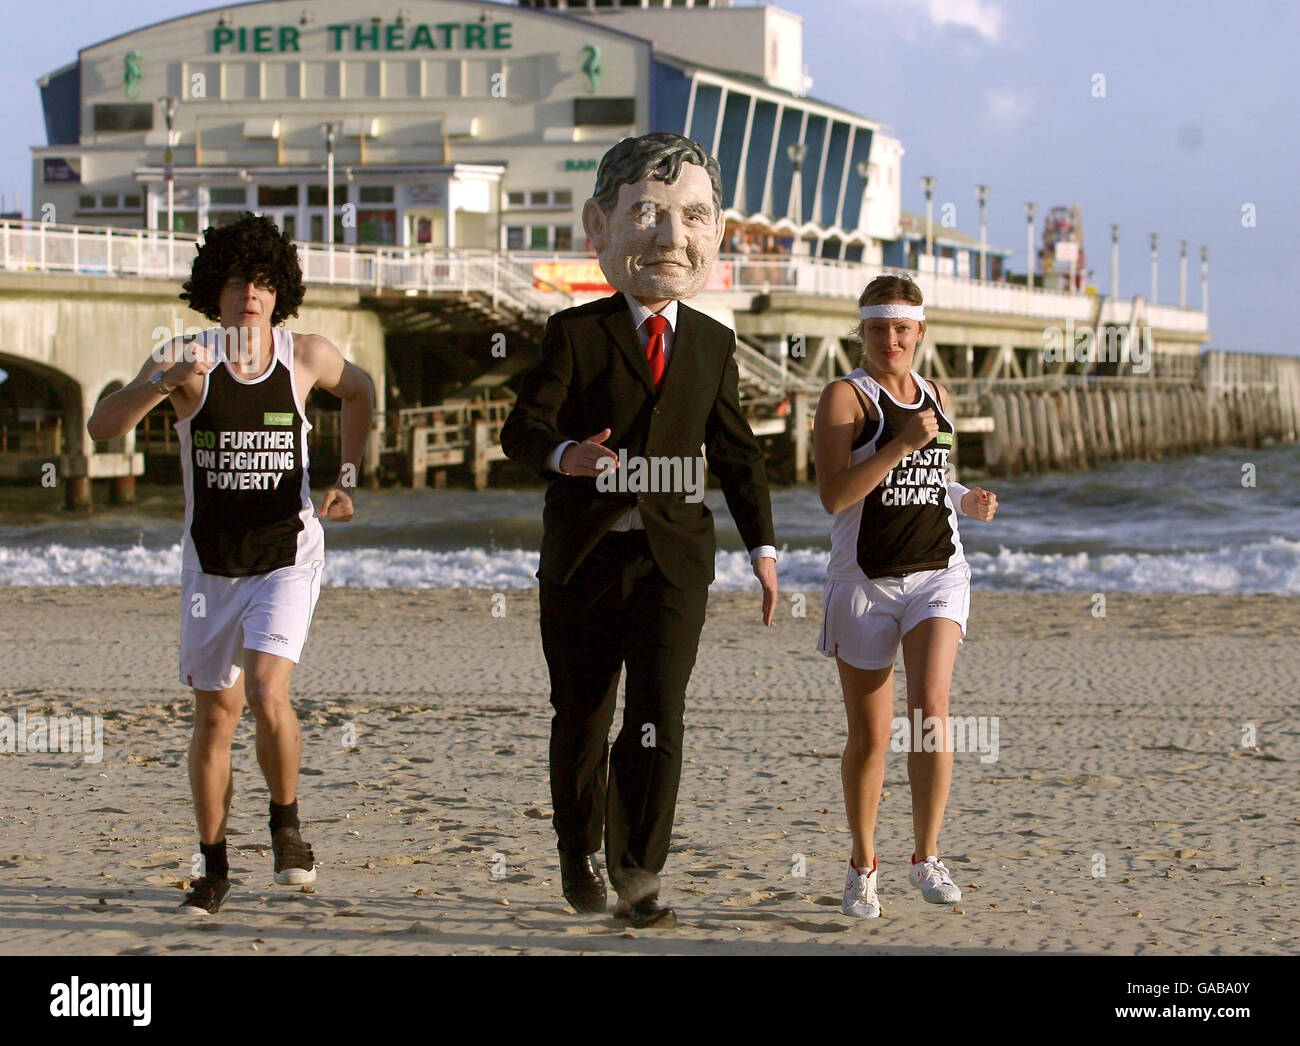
[205, 896]
[294, 863]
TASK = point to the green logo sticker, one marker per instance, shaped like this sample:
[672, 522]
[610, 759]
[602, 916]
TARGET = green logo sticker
[944, 439]
[277, 419]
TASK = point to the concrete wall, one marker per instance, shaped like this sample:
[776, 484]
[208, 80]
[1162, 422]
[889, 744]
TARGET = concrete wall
[86, 333]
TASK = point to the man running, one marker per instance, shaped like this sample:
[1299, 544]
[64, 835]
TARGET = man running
[253, 548]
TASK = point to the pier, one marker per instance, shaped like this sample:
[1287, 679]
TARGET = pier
[447, 331]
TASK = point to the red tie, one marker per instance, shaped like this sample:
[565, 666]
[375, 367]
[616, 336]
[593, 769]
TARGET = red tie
[654, 350]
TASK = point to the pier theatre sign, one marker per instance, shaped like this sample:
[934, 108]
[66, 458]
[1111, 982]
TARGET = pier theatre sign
[366, 36]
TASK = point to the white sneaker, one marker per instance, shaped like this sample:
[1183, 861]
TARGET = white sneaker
[860, 900]
[935, 883]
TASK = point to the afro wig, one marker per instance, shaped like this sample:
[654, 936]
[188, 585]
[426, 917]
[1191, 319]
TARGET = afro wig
[252, 247]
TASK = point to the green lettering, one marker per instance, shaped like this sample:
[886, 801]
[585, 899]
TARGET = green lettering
[501, 35]
[393, 38]
[220, 37]
[243, 40]
[475, 35]
[337, 32]
[262, 38]
[360, 36]
[421, 38]
[448, 28]
[288, 38]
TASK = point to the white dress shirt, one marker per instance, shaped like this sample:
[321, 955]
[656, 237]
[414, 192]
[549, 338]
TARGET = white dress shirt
[631, 519]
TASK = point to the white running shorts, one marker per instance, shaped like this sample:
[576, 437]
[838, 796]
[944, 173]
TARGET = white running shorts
[864, 620]
[223, 616]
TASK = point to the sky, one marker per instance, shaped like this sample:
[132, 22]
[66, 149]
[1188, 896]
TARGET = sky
[1177, 117]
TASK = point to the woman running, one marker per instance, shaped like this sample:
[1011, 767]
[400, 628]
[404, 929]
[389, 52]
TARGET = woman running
[882, 439]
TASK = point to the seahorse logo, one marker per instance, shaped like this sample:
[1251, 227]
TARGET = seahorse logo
[132, 74]
[591, 66]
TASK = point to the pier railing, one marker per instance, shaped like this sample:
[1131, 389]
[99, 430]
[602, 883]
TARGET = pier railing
[516, 277]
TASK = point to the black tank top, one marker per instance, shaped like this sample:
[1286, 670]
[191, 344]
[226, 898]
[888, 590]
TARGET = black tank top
[907, 523]
[247, 473]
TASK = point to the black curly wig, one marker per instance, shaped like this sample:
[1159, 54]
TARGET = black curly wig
[252, 247]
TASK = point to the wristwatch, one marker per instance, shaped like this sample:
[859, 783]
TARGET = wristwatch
[160, 386]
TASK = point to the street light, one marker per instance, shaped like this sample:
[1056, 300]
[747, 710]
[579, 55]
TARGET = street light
[927, 183]
[1114, 262]
[864, 172]
[1029, 244]
[168, 104]
[796, 151]
[1182, 274]
[1205, 281]
[982, 191]
[1154, 270]
[331, 131]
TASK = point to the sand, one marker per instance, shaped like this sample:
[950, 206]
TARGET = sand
[1120, 743]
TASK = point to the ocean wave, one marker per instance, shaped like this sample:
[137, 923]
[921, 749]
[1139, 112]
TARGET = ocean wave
[1260, 567]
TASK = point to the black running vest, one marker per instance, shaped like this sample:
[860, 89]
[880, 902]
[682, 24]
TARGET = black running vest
[906, 523]
[247, 470]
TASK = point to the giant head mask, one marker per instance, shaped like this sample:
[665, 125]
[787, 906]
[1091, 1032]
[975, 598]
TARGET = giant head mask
[655, 218]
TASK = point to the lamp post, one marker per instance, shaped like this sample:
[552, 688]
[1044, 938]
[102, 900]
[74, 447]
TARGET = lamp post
[982, 191]
[168, 104]
[1030, 262]
[796, 151]
[331, 131]
[1182, 274]
[1205, 281]
[927, 183]
[1114, 262]
[864, 172]
[1155, 255]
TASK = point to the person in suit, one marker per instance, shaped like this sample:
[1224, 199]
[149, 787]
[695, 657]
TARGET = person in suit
[635, 379]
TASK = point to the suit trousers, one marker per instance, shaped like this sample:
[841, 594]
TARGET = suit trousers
[617, 608]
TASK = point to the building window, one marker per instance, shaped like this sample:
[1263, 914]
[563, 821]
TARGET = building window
[376, 226]
[109, 118]
[604, 112]
[277, 196]
[318, 196]
[376, 194]
[539, 237]
[228, 196]
[110, 202]
[538, 198]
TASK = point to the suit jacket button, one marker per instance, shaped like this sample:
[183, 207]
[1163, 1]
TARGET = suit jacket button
[656, 410]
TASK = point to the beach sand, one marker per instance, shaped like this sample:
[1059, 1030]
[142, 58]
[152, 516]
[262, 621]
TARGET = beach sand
[1120, 741]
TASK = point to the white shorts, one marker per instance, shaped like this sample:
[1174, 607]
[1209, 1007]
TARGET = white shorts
[223, 616]
[863, 620]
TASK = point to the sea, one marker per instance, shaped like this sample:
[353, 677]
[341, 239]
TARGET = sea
[1227, 521]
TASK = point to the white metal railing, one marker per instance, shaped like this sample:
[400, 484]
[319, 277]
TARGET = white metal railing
[509, 276]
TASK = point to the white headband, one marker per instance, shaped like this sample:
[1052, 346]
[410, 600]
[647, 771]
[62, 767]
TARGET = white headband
[892, 312]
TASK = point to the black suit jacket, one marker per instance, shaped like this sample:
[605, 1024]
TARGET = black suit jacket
[593, 375]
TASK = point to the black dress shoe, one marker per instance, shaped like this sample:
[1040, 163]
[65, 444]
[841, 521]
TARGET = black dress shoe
[646, 914]
[584, 886]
